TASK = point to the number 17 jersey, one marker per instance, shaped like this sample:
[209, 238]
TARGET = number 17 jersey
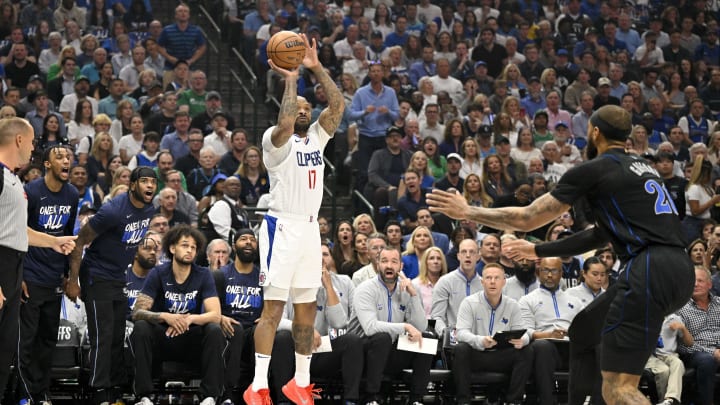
[296, 172]
[628, 199]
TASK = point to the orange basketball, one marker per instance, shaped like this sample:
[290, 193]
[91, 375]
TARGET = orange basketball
[286, 49]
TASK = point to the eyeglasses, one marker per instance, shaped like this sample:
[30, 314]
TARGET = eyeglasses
[549, 271]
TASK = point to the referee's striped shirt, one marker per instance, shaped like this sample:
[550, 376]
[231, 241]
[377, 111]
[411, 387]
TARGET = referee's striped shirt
[13, 213]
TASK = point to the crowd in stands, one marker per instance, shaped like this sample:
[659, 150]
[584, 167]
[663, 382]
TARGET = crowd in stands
[490, 98]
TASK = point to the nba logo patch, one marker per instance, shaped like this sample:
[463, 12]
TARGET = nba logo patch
[280, 227]
[379, 307]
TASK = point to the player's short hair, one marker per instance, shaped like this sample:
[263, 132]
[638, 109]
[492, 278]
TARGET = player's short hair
[614, 122]
[173, 236]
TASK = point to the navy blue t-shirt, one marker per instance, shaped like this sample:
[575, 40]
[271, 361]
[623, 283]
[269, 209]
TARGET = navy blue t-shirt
[120, 227]
[243, 299]
[54, 214]
[133, 285]
[170, 296]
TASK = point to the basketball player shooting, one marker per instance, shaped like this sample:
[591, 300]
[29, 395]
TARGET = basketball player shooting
[290, 256]
[633, 211]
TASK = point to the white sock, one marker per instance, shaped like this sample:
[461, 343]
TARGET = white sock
[302, 369]
[262, 363]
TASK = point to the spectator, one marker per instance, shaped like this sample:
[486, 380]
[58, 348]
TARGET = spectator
[675, 185]
[109, 105]
[130, 73]
[253, 176]
[162, 121]
[581, 118]
[167, 207]
[409, 202]
[200, 178]
[181, 40]
[675, 52]
[380, 334]
[122, 56]
[701, 316]
[201, 307]
[709, 50]
[69, 11]
[343, 48]
[544, 322]
[665, 364]
[573, 94]
[190, 161]
[41, 110]
[132, 143]
[101, 123]
[176, 142]
[185, 201]
[627, 34]
[149, 154]
[711, 93]
[475, 336]
[493, 54]
[442, 81]
[34, 12]
[430, 122]
[228, 217]
[193, 100]
[700, 198]
[205, 120]
[92, 70]
[165, 163]
[230, 161]
[20, 69]
[695, 127]
[554, 112]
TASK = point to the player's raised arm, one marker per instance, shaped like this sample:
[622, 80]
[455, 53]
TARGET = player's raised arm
[331, 116]
[288, 106]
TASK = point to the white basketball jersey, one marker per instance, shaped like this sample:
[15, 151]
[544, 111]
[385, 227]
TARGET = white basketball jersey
[296, 171]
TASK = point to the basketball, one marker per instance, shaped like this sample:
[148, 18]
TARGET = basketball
[286, 49]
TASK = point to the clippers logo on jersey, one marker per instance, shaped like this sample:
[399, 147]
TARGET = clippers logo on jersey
[53, 217]
[135, 232]
[305, 159]
[178, 303]
[242, 297]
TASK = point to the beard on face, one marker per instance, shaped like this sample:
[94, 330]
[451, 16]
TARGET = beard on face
[525, 273]
[246, 257]
[591, 151]
[146, 263]
[301, 127]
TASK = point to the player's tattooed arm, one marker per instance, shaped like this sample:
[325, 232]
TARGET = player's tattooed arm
[330, 117]
[540, 212]
[142, 312]
[85, 237]
[288, 112]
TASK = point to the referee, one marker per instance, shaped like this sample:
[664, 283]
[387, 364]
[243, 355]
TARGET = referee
[16, 147]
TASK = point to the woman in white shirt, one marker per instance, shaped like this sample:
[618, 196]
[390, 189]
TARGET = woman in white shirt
[699, 197]
[81, 126]
[470, 152]
[131, 144]
[525, 149]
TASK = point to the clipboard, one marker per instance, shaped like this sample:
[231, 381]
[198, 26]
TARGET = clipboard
[503, 337]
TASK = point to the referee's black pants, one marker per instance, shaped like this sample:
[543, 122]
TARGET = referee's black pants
[39, 322]
[207, 342]
[346, 357]
[10, 281]
[106, 307]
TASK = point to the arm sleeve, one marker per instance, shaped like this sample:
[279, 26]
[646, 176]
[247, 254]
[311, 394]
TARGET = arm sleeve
[581, 242]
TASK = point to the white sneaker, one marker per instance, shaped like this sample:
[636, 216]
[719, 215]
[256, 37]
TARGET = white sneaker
[144, 401]
[208, 401]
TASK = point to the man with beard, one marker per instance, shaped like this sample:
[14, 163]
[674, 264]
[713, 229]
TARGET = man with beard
[293, 155]
[177, 317]
[382, 309]
[453, 287]
[476, 349]
[632, 210]
[145, 259]
[52, 209]
[118, 227]
[334, 302]
[241, 301]
[524, 281]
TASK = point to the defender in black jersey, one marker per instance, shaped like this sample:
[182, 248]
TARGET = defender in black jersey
[634, 211]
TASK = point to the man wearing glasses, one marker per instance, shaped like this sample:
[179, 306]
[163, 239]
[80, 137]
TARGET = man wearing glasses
[547, 313]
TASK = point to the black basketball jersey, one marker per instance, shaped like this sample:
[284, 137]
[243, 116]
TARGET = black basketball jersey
[628, 199]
